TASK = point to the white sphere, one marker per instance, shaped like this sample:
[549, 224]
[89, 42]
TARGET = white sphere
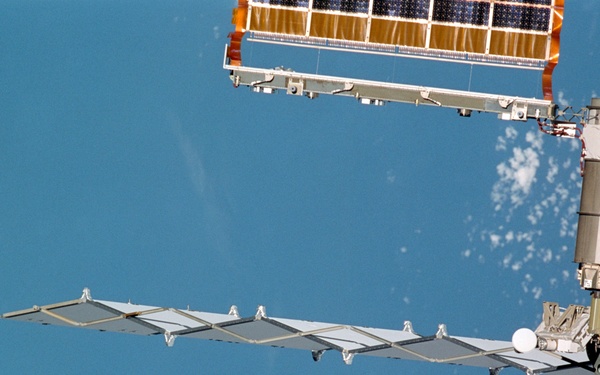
[524, 340]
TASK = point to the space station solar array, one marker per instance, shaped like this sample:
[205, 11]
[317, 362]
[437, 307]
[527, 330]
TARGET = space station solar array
[493, 30]
[509, 33]
[316, 337]
[520, 14]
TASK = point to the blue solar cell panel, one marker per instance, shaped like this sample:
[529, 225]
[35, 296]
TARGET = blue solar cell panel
[461, 11]
[535, 2]
[288, 3]
[521, 17]
[413, 9]
[349, 6]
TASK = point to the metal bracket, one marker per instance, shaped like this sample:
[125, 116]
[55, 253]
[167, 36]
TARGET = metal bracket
[376, 102]
[425, 95]
[463, 112]
[347, 357]
[169, 339]
[261, 312]
[295, 87]
[442, 331]
[564, 330]
[504, 103]
[269, 77]
[408, 327]
[317, 354]
[557, 322]
[519, 112]
[348, 86]
[86, 295]
[233, 311]
[587, 274]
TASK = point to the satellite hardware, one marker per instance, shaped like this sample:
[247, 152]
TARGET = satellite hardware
[315, 337]
[514, 33]
[521, 33]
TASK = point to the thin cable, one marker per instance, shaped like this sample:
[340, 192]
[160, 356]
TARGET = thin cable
[470, 77]
[251, 52]
[318, 60]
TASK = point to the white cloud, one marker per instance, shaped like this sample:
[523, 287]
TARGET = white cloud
[573, 176]
[391, 176]
[535, 199]
[501, 144]
[546, 255]
[518, 173]
[575, 144]
[495, 240]
[525, 236]
[535, 214]
[530, 248]
[552, 170]
[516, 177]
[510, 134]
[561, 99]
[537, 292]
[535, 139]
[562, 192]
